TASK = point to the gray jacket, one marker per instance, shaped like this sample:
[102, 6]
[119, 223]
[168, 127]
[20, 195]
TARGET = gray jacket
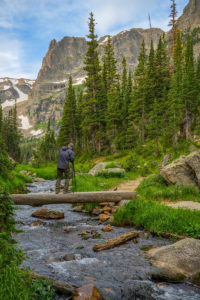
[65, 155]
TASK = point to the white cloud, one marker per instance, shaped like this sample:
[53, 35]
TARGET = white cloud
[12, 62]
[110, 14]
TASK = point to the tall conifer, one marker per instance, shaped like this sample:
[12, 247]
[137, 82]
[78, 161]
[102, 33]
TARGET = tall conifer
[137, 110]
[90, 123]
[189, 88]
[68, 130]
[175, 104]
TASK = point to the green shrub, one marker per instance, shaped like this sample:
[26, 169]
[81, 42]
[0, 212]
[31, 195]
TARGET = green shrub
[131, 163]
[106, 174]
[111, 165]
[42, 290]
[12, 282]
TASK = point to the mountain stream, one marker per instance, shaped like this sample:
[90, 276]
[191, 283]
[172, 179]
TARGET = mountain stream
[119, 273]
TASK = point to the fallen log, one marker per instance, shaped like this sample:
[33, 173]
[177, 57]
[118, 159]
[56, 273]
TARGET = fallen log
[115, 241]
[59, 287]
[80, 197]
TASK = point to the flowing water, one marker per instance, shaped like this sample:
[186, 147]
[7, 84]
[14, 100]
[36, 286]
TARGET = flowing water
[119, 273]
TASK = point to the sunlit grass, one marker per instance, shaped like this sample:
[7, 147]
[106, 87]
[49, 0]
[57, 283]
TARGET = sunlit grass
[154, 188]
[155, 217]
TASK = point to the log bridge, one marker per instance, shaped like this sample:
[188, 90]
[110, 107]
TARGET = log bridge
[79, 197]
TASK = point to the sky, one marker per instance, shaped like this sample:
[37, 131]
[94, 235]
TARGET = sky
[28, 26]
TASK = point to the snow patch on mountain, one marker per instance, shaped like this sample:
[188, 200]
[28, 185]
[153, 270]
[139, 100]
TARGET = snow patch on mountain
[13, 83]
[25, 122]
[6, 87]
[104, 40]
[79, 80]
[25, 125]
[36, 132]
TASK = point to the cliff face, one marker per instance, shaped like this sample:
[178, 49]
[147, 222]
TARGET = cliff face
[190, 18]
[66, 58]
[189, 22]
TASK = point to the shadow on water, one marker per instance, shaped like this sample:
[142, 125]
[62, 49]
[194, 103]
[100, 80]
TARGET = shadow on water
[119, 273]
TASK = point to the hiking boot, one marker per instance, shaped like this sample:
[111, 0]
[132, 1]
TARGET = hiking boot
[66, 192]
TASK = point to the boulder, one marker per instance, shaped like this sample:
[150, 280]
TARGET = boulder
[179, 172]
[97, 211]
[114, 209]
[182, 257]
[101, 167]
[104, 218]
[114, 170]
[193, 161]
[45, 213]
[166, 159]
[123, 202]
[68, 257]
[107, 228]
[39, 179]
[87, 292]
[37, 223]
[107, 209]
[98, 168]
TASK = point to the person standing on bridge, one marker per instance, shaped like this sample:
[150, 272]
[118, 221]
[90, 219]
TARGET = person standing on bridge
[66, 155]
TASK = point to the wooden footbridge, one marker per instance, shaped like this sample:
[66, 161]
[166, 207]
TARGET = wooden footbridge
[79, 197]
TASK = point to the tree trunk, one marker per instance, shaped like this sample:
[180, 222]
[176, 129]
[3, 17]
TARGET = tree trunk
[83, 197]
[116, 241]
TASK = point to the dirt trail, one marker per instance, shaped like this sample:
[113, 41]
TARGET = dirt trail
[129, 186]
[185, 204]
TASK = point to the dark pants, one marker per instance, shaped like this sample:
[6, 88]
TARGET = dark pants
[59, 178]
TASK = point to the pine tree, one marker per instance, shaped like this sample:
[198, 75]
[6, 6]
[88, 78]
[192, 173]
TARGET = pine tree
[190, 89]
[125, 99]
[1, 119]
[90, 123]
[150, 82]
[113, 117]
[68, 129]
[109, 80]
[159, 86]
[137, 111]
[79, 118]
[175, 103]
[198, 70]
[11, 134]
[174, 24]
[109, 65]
[47, 149]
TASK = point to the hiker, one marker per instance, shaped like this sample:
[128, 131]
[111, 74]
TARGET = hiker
[66, 155]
